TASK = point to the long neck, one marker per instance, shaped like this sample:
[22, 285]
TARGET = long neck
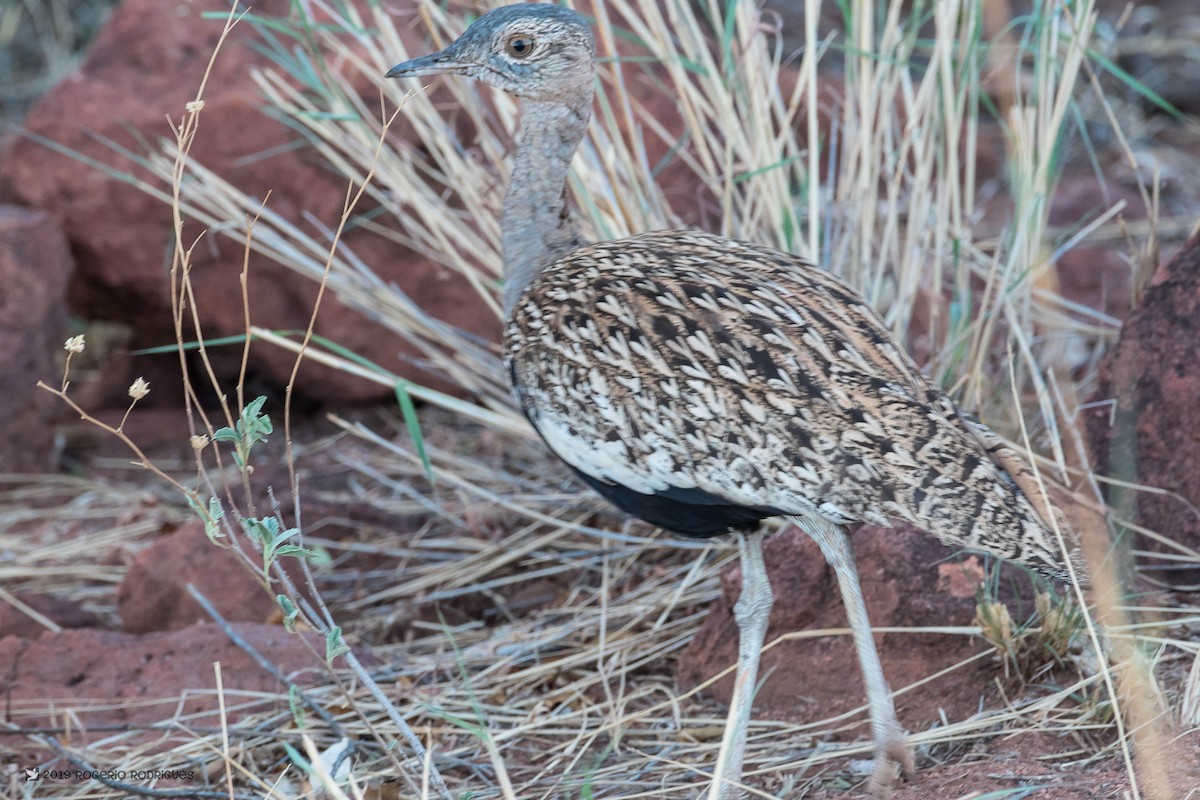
[539, 227]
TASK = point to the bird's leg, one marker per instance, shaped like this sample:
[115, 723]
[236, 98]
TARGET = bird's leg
[892, 752]
[752, 613]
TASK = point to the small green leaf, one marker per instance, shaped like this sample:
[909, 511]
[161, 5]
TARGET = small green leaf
[293, 551]
[276, 545]
[297, 759]
[225, 434]
[211, 517]
[251, 428]
[409, 412]
[296, 705]
[290, 612]
[267, 533]
[263, 530]
[334, 644]
[282, 536]
[318, 556]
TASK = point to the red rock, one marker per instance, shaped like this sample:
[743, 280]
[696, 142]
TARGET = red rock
[1144, 423]
[143, 66]
[64, 612]
[962, 578]
[153, 596]
[817, 677]
[35, 264]
[112, 678]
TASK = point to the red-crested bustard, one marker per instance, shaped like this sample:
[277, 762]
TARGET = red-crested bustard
[704, 384]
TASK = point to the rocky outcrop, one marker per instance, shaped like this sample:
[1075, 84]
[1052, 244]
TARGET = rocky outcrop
[153, 595]
[110, 678]
[1144, 420]
[144, 65]
[35, 264]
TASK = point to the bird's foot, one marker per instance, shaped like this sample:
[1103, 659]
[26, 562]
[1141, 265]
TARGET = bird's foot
[893, 757]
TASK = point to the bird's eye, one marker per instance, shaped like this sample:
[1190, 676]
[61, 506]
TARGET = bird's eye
[519, 46]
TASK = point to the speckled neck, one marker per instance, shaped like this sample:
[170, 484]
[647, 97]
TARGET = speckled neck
[538, 226]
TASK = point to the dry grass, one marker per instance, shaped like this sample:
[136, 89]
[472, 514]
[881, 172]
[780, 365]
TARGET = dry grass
[574, 695]
[577, 697]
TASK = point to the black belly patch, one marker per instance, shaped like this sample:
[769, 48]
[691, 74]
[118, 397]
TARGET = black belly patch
[688, 512]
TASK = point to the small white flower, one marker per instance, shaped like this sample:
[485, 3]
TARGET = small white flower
[194, 105]
[199, 442]
[139, 389]
[74, 344]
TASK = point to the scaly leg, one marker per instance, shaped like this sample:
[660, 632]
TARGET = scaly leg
[752, 612]
[892, 752]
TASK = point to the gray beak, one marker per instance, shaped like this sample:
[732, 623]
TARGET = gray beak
[440, 63]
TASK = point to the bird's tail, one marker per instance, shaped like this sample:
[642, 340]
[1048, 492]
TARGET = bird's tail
[1050, 561]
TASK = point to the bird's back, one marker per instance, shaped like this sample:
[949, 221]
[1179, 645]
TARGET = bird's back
[702, 384]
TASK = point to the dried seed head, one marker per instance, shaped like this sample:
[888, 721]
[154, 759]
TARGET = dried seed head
[74, 344]
[139, 389]
[996, 625]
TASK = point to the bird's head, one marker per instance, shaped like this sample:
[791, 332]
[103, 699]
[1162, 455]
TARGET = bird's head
[539, 51]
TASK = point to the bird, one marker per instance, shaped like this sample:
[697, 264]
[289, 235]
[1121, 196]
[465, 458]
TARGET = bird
[705, 384]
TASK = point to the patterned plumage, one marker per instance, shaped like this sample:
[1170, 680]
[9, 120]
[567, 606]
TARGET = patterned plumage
[705, 384]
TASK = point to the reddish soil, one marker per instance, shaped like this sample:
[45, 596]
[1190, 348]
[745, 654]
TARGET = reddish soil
[1017, 767]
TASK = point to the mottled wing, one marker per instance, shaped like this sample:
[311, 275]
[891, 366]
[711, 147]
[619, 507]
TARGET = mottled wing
[687, 376]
